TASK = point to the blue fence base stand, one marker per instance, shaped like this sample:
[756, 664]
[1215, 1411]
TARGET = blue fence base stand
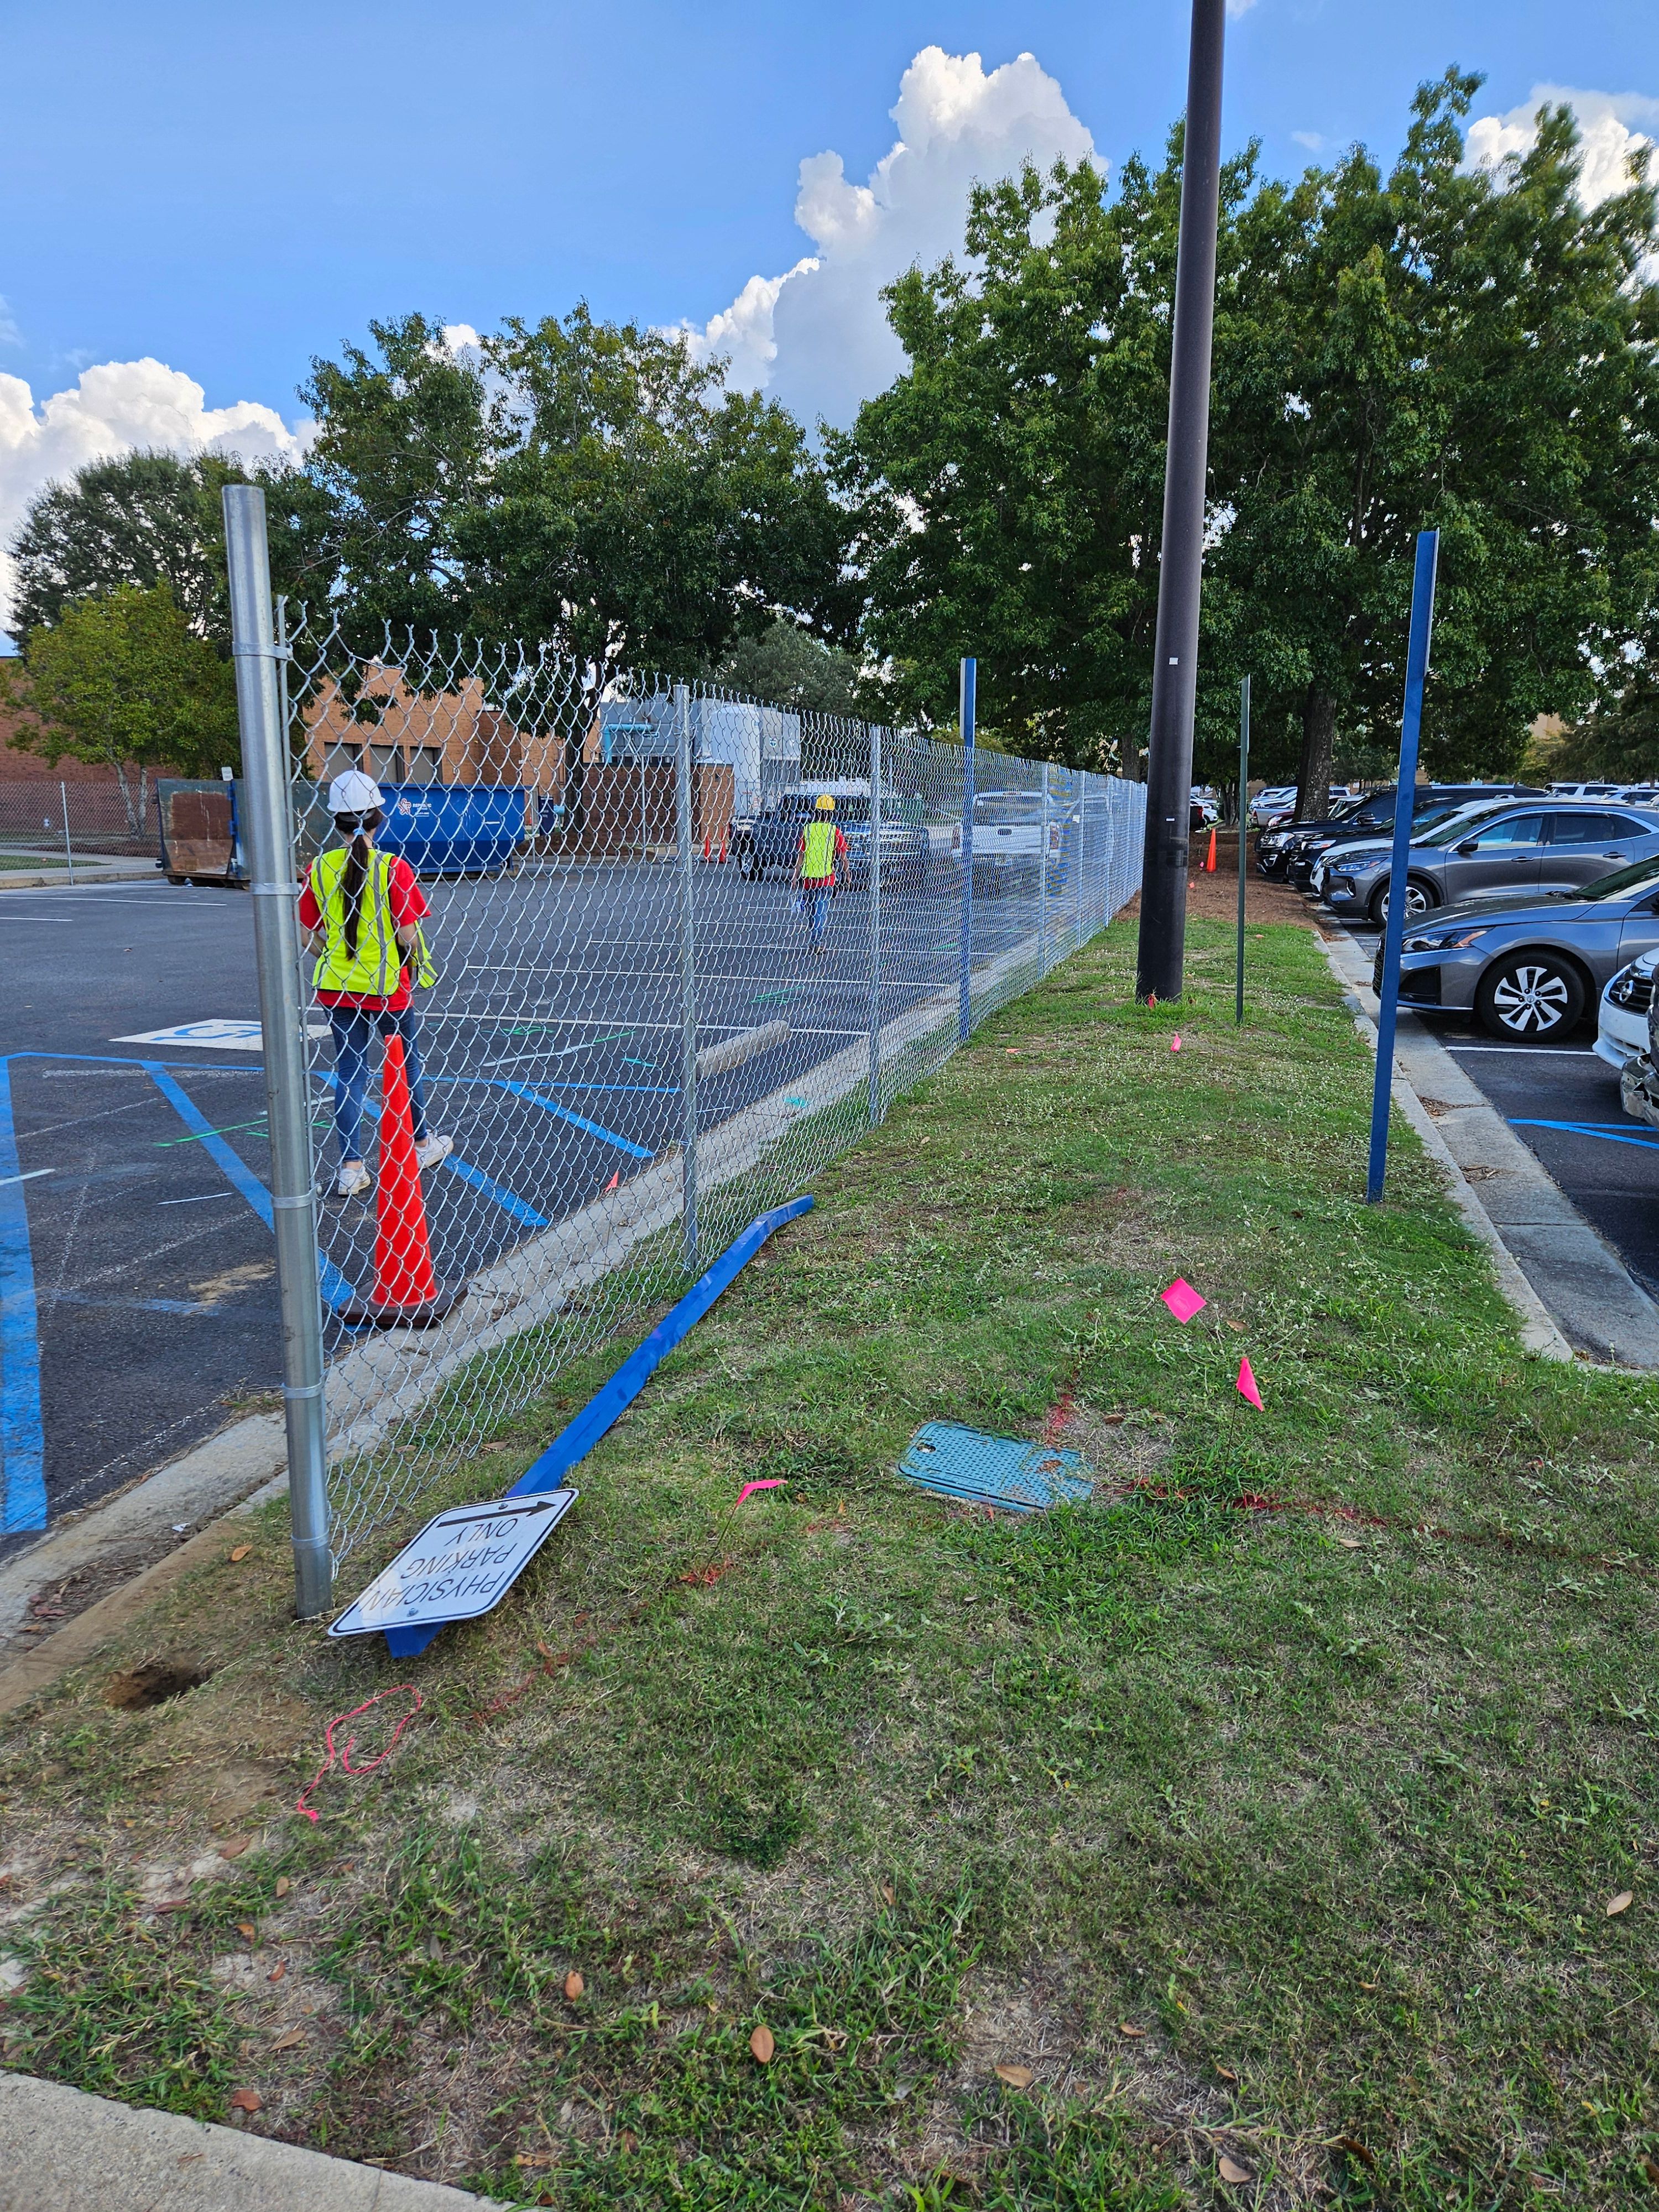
[607, 1406]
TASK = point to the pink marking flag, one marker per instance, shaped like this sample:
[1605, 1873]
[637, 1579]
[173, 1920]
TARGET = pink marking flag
[1183, 1300]
[1247, 1386]
[1175, 1042]
[776, 1482]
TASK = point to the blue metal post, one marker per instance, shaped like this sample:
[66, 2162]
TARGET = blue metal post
[965, 1011]
[1417, 668]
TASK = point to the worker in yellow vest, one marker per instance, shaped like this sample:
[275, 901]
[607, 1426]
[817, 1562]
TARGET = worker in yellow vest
[819, 859]
[362, 912]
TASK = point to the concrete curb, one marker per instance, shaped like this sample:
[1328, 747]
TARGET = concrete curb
[1574, 1295]
[87, 877]
[63, 2151]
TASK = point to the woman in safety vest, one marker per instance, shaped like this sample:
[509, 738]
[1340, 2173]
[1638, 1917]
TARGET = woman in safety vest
[362, 912]
[819, 857]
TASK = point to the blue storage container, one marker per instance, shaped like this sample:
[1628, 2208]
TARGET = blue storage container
[454, 829]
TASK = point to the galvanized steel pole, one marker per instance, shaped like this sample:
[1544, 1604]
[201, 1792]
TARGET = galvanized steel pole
[688, 980]
[967, 681]
[875, 924]
[1174, 670]
[68, 849]
[276, 957]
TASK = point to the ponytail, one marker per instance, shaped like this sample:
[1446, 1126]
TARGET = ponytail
[356, 874]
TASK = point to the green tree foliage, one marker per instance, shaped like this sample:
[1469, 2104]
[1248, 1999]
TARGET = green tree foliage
[787, 666]
[580, 482]
[1440, 347]
[122, 680]
[153, 519]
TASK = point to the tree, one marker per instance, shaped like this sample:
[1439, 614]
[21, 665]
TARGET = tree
[122, 680]
[581, 484]
[1453, 349]
[1446, 347]
[787, 666]
[154, 519]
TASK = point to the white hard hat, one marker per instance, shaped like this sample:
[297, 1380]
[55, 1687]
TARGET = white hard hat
[354, 792]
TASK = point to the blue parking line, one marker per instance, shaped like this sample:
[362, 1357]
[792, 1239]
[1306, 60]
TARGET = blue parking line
[550, 1106]
[22, 1439]
[336, 1292]
[509, 1201]
[1608, 1135]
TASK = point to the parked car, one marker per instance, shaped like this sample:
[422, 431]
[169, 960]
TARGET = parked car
[1303, 843]
[1489, 852]
[1621, 1029]
[1529, 966]
[1008, 826]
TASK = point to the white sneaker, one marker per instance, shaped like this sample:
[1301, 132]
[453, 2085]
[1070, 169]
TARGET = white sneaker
[353, 1178]
[431, 1149]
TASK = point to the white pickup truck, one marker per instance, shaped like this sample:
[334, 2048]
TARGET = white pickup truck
[1008, 838]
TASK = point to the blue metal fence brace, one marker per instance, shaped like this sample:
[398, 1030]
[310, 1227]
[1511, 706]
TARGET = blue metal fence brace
[1416, 669]
[607, 1405]
[966, 1007]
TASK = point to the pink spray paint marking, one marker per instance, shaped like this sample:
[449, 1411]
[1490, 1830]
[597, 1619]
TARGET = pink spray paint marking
[343, 1757]
[1183, 1300]
[773, 1482]
[1247, 1386]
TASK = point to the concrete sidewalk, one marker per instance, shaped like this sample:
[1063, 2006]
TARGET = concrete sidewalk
[1562, 1263]
[61, 2151]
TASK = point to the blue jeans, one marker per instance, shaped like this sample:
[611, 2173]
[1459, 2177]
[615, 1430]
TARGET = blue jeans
[354, 1027]
[818, 907]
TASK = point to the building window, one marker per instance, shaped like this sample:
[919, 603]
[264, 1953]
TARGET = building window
[426, 764]
[337, 760]
[385, 763]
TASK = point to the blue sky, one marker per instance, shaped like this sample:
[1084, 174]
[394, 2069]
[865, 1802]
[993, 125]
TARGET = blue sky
[228, 191]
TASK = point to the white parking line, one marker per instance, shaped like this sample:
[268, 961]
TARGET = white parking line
[29, 1177]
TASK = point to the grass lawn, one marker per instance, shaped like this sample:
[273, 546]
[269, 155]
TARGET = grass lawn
[1245, 1837]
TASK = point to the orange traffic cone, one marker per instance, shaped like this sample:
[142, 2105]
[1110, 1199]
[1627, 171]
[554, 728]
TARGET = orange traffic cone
[1209, 858]
[406, 1294]
[706, 835]
[722, 849]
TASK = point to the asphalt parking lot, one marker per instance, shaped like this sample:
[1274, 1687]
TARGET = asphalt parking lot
[140, 1310]
[1563, 1103]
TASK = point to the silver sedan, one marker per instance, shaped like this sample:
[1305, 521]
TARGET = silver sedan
[1491, 852]
[1529, 967]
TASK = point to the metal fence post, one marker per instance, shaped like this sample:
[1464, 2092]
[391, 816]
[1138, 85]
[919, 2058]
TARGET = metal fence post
[1042, 883]
[1082, 834]
[875, 924]
[688, 979]
[965, 710]
[68, 849]
[277, 954]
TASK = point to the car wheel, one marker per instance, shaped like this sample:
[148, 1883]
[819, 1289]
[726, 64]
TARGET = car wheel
[749, 865]
[1420, 898]
[1528, 997]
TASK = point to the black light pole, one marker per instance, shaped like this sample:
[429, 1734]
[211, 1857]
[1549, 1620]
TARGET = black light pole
[1175, 673]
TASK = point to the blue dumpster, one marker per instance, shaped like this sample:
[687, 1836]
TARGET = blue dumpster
[455, 829]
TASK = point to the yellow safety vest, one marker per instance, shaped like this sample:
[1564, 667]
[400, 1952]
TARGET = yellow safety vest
[817, 859]
[373, 972]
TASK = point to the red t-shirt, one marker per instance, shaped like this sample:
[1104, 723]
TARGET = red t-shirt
[408, 903]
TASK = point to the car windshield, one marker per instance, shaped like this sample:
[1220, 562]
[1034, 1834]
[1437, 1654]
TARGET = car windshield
[1622, 881]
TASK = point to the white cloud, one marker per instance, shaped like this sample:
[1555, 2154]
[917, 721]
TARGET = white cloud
[817, 337]
[1238, 8]
[1606, 128]
[114, 408]
[9, 333]
[1311, 139]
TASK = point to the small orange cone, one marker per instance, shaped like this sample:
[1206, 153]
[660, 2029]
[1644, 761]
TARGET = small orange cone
[1209, 858]
[722, 850]
[407, 1294]
[705, 843]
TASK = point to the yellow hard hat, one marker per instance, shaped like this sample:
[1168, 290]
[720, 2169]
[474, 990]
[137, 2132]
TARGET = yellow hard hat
[826, 804]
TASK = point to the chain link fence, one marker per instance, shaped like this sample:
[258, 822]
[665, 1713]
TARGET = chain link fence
[645, 1027]
[47, 823]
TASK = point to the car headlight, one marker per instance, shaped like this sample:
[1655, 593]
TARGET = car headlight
[1445, 940]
